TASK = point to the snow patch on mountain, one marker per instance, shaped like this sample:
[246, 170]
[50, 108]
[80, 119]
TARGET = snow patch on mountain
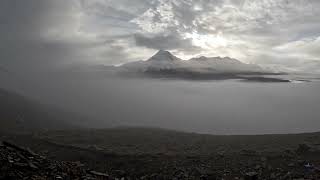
[164, 60]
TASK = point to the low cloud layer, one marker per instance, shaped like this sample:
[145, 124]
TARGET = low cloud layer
[37, 34]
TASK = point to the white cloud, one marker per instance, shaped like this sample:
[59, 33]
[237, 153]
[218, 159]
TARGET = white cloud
[282, 32]
[306, 48]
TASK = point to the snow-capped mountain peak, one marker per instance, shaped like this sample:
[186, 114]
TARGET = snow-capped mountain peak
[162, 55]
[165, 61]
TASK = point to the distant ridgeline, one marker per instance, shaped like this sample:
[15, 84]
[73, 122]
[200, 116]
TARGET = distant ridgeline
[164, 64]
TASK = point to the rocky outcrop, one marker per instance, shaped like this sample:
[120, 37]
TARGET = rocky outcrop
[21, 163]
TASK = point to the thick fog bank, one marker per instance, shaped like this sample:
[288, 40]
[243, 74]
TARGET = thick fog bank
[217, 107]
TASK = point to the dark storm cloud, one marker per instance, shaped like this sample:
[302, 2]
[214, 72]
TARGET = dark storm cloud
[167, 42]
[39, 35]
[23, 28]
[29, 18]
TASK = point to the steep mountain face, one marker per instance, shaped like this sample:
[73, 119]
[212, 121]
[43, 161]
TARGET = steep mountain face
[19, 113]
[165, 61]
[162, 60]
[163, 56]
[8, 79]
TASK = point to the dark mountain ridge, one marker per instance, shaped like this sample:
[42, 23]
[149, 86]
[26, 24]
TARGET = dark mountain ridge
[19, 114]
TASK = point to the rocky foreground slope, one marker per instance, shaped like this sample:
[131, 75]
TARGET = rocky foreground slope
[18, 162]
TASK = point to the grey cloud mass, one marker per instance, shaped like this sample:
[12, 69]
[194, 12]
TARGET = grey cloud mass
[41, 34]
[168, 42]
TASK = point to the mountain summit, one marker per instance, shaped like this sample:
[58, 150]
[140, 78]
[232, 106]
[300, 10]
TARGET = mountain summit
[164, 60]
[164, 64]
[162, 55]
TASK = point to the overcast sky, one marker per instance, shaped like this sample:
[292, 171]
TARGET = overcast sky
[35, 34]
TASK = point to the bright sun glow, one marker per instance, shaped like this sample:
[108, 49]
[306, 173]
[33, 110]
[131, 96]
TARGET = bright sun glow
[207, 41]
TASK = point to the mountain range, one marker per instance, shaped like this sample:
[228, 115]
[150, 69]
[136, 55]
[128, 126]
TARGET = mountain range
[164, 60]
[164, 64]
